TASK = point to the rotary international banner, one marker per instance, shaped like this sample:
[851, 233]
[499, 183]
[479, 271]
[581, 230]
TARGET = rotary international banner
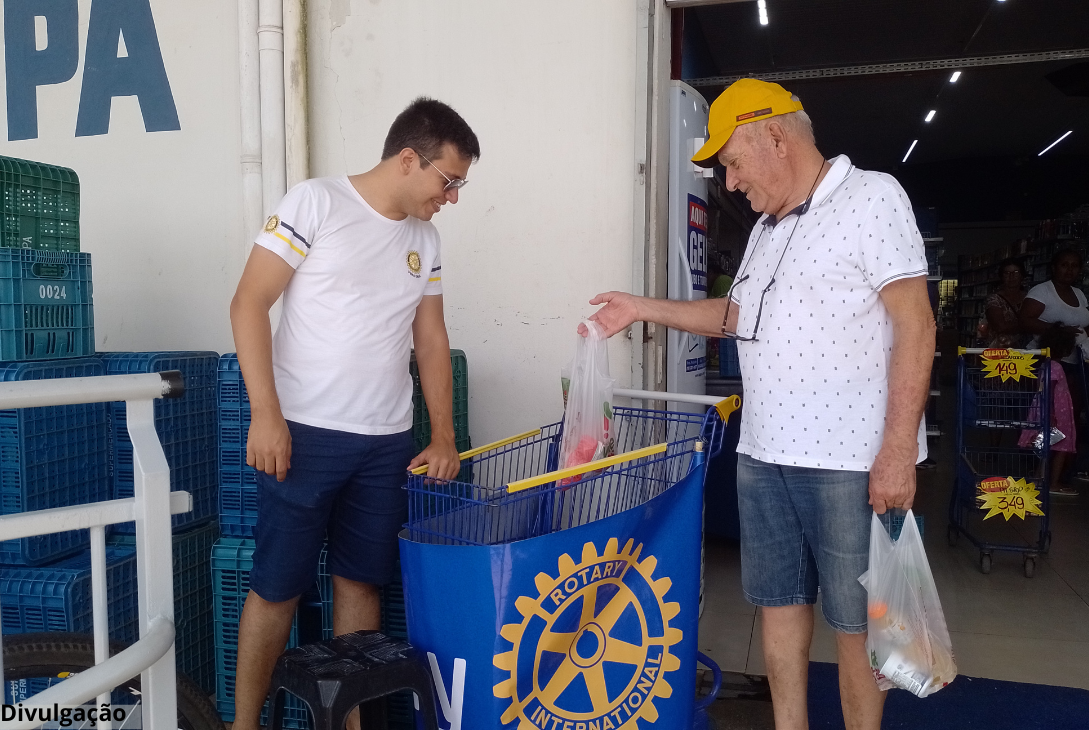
[589, 628]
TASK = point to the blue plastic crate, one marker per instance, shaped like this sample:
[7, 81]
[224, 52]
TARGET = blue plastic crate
[45, 305]
[51, 457]
[897, 524]
[193, 615]
[232, 390]
[186, 427]
[58, 597]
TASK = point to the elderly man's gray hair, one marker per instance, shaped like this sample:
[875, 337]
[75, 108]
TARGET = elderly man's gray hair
[796, 124]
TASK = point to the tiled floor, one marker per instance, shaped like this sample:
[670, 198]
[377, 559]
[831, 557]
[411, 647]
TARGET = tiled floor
[1003, 625]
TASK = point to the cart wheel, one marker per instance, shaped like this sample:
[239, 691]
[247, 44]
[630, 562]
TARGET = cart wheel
[1030, 566]
[985, 563]
[953, 536]
[1047, 541]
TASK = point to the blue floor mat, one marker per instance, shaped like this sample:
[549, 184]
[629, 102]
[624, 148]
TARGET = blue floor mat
[967, 703]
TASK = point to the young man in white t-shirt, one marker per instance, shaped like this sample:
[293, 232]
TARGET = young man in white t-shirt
[835, 338]
[358, 264]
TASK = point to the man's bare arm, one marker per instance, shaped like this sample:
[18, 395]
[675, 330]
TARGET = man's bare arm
[892, 478]
[703, 317]
[268, 446]
[432, 346]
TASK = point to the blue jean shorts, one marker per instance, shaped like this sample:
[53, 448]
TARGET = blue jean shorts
[802, 528]
[347, 485]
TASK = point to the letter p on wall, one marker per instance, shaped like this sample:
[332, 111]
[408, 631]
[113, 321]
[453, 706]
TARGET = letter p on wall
[29, 68]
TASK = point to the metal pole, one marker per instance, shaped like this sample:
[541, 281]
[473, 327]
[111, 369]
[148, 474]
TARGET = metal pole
[151, 476]
[100, 608]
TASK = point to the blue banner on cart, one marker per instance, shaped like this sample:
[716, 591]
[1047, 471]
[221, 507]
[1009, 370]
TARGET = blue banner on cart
[589, 628]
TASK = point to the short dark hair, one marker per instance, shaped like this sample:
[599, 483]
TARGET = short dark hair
[1062, 253]
[1011, 262]
[425, 126]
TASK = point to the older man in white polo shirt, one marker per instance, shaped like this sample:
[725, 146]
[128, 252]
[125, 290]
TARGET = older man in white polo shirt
[835, 339]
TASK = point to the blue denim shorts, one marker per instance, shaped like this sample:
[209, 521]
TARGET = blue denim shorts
[347, 485]
[802, 528]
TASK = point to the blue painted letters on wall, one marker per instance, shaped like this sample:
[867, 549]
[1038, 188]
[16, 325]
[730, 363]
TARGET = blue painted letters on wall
[28, 68]
[140, 72]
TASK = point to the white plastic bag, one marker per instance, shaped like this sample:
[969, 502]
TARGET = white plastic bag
[908, 641]
[588, 400]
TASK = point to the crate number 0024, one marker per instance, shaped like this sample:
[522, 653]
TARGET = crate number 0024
[49, 291]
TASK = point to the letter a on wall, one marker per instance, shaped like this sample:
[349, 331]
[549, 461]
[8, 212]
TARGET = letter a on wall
[29, 68]
[140, 73]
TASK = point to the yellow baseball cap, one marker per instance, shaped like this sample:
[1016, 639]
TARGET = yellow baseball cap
[746, 100]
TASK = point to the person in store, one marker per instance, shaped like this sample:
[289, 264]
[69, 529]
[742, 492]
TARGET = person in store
[357, 261]
[835, 335]
[1002, 313]
[1061, 343]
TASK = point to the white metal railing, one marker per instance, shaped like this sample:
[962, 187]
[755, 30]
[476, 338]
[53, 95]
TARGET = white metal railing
[151, 506]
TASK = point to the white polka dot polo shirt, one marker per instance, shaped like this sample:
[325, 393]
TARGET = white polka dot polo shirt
[816, 379]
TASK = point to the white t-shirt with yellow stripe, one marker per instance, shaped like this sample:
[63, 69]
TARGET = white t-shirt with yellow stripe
[340, 354]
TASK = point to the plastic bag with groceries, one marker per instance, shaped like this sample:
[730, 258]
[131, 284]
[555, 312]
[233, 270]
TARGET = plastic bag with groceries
[588, 403]
[907, 640]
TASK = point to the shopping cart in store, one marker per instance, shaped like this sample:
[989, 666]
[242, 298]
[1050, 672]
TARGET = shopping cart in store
[580, 586]
[512, 490]
[996, 402]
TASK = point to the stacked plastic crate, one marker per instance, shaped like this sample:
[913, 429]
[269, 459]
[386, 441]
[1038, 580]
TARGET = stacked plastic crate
[232, 556]
[57, 456]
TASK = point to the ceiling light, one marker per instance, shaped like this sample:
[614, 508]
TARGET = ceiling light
[930, 115]
[762, 9]
[909, 151]
[1060, 139]
[954, 77]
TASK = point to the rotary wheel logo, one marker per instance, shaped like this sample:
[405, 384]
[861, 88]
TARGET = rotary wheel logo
[594, 646]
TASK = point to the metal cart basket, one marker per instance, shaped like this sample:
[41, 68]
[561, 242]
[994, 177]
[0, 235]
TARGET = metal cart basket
[992, 411]
[512, 490]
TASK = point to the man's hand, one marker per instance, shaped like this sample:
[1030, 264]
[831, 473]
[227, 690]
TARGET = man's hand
[892, 481]
[441, 458]
[268, 447]
[619, 312]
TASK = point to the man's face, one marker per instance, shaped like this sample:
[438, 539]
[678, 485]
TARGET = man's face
[426, 184]
[753, 168]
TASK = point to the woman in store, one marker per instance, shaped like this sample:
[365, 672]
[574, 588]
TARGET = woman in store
[1003, 308]
[1059, 303]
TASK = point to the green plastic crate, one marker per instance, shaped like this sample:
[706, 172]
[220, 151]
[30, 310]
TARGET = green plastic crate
[40, 206]
[421, 420]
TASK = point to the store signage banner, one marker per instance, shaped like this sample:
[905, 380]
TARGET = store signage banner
[589, 628]
[697, 242]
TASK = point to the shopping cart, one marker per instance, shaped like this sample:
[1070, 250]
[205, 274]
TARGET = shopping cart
[545, 596]
[512, 489]
[994, 410]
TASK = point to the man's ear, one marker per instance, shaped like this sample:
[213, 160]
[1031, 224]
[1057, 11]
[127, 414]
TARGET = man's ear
[778, 138]
[406, 159]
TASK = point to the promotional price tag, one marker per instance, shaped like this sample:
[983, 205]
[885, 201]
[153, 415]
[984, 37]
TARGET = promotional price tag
[1008, 364]
[1008, 497]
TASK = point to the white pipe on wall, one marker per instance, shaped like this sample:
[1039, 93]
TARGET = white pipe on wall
[270, 39]
[250, 101]
[297, 103]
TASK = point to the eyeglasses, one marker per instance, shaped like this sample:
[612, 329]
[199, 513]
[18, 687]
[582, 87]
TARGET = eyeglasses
[451, 183]
[804, 208]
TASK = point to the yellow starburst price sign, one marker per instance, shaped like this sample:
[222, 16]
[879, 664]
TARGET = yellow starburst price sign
[1008, 364]
[1008, 497]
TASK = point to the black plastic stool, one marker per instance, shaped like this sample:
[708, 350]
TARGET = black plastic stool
[334, 676]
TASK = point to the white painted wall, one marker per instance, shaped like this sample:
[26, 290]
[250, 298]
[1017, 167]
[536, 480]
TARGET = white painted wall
[547, 219]
[161, 211]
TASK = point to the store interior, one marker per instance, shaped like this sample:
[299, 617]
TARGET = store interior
[980, 109]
